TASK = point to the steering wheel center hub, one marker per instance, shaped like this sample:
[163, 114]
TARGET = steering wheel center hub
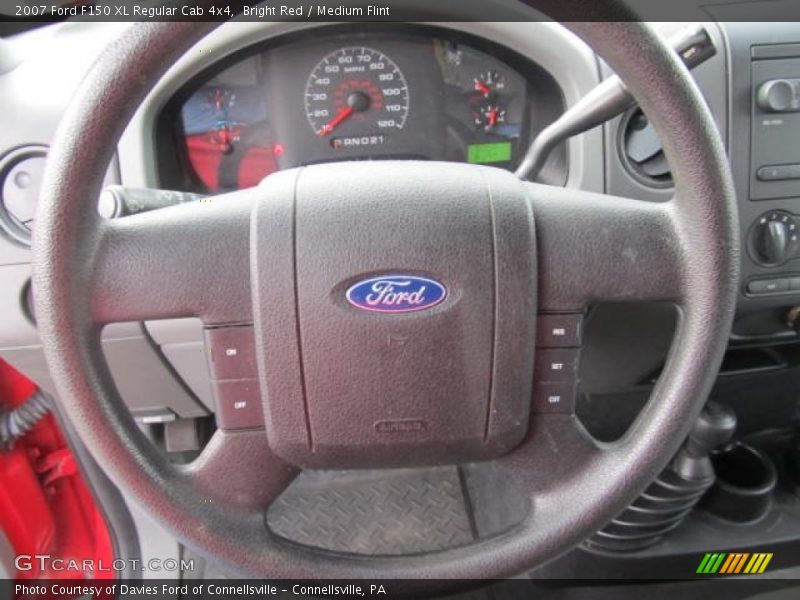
[406, 289]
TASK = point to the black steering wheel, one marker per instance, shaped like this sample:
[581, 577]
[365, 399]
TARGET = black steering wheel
[283, 255]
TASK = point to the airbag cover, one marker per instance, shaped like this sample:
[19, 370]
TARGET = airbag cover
[400, 330]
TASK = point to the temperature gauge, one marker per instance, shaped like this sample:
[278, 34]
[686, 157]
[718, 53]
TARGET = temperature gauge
[489, 82]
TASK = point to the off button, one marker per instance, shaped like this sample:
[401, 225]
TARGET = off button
[238, 404]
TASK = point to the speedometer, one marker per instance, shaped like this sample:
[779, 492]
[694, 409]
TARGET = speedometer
[357, 92]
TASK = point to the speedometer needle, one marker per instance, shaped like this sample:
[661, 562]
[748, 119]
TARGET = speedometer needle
[336, 121]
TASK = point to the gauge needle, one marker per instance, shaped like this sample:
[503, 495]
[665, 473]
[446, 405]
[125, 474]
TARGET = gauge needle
[336, 121]
[492, 117]
[482, 87]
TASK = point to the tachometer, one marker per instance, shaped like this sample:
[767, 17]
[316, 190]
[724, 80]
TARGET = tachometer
[356, 91]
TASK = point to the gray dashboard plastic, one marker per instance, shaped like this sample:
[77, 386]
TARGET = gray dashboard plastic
[740, 38]
[41, 84]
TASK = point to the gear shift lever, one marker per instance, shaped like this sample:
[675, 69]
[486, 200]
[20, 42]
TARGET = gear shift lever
[669, 499]
[714, 428]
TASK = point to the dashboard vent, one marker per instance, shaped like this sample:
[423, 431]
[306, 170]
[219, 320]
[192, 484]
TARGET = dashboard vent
[21, 172]
[641, 151]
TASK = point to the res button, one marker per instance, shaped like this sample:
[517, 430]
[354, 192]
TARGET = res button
[559, 331]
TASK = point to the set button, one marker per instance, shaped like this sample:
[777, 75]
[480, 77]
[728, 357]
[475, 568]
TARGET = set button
[556, 365]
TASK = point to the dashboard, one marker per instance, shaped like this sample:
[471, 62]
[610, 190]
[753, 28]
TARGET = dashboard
[422, 94]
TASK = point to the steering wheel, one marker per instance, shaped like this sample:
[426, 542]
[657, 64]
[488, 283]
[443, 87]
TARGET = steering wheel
[283, 256]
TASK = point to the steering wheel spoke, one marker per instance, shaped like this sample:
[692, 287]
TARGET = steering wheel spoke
[185, 260]
[238, 468]
[556, 448]
[595, 247]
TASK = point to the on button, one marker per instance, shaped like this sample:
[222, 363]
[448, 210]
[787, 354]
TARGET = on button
[232, 352]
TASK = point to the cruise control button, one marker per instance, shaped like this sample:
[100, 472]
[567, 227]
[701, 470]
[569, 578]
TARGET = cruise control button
[232, 352]
[559, 331]
[556, 365]
[554, 397]
[238, 404]
[768, 286]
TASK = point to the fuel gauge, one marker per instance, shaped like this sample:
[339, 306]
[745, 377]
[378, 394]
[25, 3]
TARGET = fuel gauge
[489, 117]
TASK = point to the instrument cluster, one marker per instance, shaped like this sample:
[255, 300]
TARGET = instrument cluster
[370, 95]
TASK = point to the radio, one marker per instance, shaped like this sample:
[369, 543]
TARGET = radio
[775, 151]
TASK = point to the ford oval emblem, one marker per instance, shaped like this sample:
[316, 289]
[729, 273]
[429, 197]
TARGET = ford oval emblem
[396, 293]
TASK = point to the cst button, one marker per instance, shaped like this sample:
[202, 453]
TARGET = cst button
[554, 397]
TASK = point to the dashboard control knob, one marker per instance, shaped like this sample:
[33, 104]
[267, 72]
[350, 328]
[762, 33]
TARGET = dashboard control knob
[779, 95]
[774, 242]
[774, 238]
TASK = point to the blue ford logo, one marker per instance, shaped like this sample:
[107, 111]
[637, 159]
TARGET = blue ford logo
[396, 293]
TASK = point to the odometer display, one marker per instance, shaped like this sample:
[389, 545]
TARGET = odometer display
[356, 91]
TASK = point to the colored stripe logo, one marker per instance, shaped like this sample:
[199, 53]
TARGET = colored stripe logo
[734, 563]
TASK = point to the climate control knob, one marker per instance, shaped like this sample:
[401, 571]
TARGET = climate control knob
[774, 238]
